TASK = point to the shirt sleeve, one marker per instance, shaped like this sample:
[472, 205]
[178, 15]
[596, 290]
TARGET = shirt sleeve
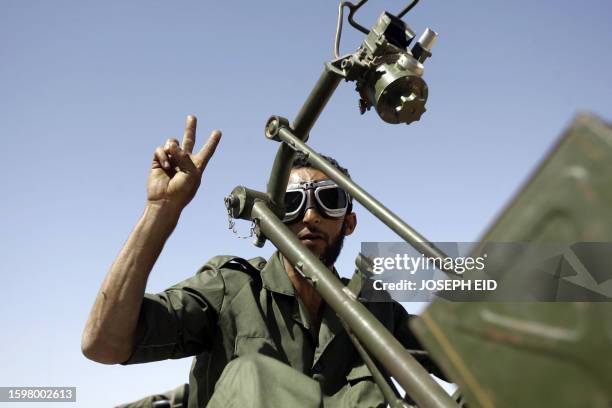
[182, 320]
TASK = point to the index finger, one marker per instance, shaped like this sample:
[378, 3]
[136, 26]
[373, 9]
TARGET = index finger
[189, 137]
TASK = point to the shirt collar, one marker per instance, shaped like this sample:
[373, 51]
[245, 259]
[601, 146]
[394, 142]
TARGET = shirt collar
[274, 276]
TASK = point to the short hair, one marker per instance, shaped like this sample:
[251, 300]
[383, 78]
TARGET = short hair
[301, 161]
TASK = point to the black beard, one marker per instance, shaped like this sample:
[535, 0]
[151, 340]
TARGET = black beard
[332, 252]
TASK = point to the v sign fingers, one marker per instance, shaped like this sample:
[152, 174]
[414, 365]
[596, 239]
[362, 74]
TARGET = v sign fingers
[176, 173]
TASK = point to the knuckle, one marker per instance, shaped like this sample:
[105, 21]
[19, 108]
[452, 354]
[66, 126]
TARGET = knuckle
[172, 148]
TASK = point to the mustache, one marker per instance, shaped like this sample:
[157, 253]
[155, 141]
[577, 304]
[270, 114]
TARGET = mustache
[312, 231]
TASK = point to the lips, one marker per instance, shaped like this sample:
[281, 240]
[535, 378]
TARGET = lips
[310, 236]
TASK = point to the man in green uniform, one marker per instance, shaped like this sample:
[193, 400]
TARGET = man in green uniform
[261, 335]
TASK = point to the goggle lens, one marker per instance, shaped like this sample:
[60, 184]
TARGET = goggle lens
[333, 198]
[293, 200]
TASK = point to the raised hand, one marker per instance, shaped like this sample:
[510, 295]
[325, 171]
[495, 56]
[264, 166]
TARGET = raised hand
[176, 173]
[113, 329]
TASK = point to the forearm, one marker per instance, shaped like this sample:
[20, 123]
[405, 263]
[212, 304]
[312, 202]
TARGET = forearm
[111, 330]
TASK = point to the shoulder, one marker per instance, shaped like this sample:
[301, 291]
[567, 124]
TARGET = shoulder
[233, 263]
[220, 278]
[234, 271]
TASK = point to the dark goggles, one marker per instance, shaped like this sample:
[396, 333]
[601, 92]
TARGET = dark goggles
[330, 200]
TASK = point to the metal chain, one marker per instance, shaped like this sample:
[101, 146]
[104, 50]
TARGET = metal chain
[232, 226]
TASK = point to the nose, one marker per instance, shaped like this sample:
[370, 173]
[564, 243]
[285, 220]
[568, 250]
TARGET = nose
[312, 216]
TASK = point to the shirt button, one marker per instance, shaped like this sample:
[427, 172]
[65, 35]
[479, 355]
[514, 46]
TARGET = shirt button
[318, 377]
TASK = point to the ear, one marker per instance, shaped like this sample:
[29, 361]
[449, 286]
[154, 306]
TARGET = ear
[351, 223]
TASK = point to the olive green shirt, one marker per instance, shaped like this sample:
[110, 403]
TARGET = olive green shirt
[233, 307]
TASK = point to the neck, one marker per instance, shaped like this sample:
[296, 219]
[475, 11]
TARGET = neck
[306, 292]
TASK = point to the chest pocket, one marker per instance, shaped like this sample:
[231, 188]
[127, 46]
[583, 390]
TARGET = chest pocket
[362, 389]
[245, 345]
[253, 333]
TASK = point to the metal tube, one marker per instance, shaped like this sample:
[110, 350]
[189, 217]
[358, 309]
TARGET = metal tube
[390, 393]
[388, 389]
[304, 121]
[406, 232]
[428, 38]
[316, 101]
[375, 337]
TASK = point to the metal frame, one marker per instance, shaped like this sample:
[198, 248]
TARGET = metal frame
[265, 210]
[378, 82]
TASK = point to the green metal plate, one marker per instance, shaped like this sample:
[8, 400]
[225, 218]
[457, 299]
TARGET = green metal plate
[538, 354]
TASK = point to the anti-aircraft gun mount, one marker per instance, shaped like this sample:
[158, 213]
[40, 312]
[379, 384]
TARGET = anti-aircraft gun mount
[561, 351]
[388, 77]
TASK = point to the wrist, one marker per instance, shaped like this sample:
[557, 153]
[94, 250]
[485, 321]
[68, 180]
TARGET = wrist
[162, 210]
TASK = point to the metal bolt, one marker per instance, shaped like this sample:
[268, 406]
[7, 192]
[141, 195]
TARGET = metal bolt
[272, 128]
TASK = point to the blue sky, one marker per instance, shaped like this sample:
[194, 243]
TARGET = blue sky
[90, 88]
